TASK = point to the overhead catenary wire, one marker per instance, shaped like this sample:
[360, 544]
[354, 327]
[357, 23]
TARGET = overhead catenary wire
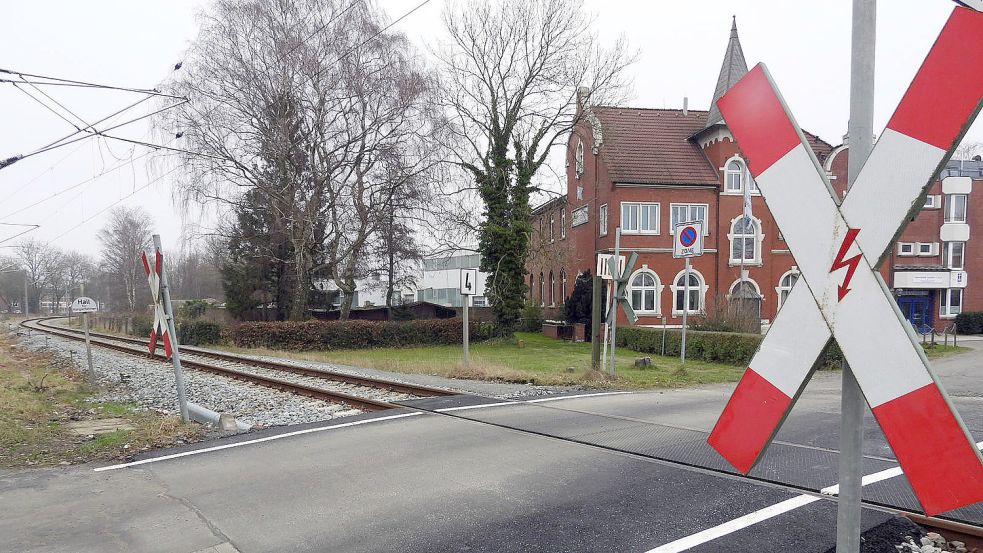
[117, 202]
[58, 81]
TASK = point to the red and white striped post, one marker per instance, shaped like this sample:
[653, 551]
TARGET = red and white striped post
[836, 249]
[163, 326]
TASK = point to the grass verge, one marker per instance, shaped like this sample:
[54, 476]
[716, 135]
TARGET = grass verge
[539, 360]
[42, 399]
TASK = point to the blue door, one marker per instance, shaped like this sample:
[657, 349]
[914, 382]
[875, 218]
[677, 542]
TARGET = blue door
[918, 311]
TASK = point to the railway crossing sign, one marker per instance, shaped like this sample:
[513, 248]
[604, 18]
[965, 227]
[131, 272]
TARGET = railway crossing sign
[469, 281]
[688, 240]
[620, 278]
[160, 327]
[84, 305]
[838, 249]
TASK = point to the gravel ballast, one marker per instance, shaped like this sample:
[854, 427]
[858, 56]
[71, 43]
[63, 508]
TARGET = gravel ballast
[150, 384]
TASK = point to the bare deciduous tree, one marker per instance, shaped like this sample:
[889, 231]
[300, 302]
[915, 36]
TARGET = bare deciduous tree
[39, 259]
[511, 76]
[304, 104]
[126, 236]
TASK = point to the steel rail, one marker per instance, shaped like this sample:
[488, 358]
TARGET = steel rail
[357, 402]
[392, 386]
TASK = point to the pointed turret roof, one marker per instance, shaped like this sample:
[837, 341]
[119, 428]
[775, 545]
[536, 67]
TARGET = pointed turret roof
[731, 71]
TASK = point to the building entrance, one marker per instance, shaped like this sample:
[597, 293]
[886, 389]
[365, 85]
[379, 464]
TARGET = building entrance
[917, 309]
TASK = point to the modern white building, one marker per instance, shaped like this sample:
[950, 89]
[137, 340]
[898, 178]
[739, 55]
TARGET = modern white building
[441, 282]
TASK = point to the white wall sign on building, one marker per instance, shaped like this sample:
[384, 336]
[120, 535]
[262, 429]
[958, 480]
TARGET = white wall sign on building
[84, 305]
[469, 281]
[688, 239]
[604, 266]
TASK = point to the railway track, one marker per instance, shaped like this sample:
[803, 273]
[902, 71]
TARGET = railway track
[243, 368]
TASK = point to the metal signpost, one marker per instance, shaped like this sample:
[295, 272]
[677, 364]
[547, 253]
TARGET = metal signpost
[619, 270]
[164, 321]
[85, 306]
[687, 243]
[469, 279]
[604, 273]
[838, 248]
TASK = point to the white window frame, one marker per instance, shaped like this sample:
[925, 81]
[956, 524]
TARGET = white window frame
[602, 220]
[730, 171]
[676, 288]
[552, 289]
[932, 201]
[745, 178]
[736, 283]
[579, 159]
[552, 225]
[639, 206]
[962, 255]
[758, 237]
[542, 289]
[903, 246]
[931, 250]
[945, 302]
[782, 290]
[950, 208]
[656, 292]
[563, 223]
[563, 285]
[689, 216]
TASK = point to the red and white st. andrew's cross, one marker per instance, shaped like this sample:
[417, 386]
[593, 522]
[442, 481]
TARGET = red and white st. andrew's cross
[160, 320]
[837, 249]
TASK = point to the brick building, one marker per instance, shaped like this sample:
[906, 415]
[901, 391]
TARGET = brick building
[646, 169]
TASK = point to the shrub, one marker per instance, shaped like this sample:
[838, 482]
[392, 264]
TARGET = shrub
[199, 333]
[193, 309]
[726, 315]
[717, 347]
[578, 307]
[142, 325]
[969, 322]
[532, 317]
[331, 335]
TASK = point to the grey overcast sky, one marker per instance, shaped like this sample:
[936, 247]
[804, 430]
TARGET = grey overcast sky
[136, 43]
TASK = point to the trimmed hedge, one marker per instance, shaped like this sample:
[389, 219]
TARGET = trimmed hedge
[199, 333]
[331, 335]
[969, 322]
[716, 347]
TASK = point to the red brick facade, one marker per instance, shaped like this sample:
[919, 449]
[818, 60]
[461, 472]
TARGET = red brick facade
[662, 157]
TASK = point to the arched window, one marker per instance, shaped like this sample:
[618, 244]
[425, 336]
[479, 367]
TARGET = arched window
[745, 241]
[563, 285]
[579, 169]
[542, 290]
[697, 291]
[552, 289]
[735, 176]
[785, 285]
[746, 289]
[532, 287]
[644, 291]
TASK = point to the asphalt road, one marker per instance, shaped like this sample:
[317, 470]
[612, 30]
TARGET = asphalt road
[604, 473]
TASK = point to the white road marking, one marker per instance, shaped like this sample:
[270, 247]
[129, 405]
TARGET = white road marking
[558, 398]
[709, 534]
[481, 406]
[771, 511]
[256, 441]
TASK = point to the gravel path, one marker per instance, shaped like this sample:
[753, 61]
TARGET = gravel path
[151, 384]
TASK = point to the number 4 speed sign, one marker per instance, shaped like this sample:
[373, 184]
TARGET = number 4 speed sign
[838, 247]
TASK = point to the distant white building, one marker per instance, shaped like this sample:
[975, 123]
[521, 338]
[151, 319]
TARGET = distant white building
[441, 282]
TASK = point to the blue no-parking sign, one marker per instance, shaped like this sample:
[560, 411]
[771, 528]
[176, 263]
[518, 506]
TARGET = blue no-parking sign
[688, 239]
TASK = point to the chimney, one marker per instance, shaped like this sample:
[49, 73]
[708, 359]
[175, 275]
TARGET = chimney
[583, 93]
[685, 106]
